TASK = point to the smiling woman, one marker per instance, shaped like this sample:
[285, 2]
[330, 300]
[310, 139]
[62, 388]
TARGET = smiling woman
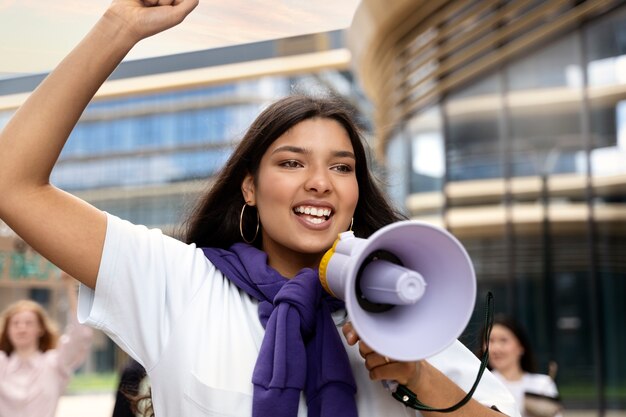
[225, 327]
[512, 360]
[306, 192]
[35, 365]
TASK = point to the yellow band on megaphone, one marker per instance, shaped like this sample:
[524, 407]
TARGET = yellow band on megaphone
[324, 267]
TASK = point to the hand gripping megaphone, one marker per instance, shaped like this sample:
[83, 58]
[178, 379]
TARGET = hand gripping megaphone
[409, 288]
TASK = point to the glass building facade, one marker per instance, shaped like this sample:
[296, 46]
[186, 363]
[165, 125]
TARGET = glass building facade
[159, 142]
[505, 122]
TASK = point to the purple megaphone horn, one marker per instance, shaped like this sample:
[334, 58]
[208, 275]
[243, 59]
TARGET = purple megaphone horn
[409, 288]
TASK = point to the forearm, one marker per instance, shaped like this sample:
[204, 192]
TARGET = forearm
[71, 289]
[436, 390]
[31, 142]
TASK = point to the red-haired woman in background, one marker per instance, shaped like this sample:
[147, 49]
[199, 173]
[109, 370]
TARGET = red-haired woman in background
[35, 363]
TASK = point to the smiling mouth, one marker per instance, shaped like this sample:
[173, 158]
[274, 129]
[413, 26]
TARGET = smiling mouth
[315, 215]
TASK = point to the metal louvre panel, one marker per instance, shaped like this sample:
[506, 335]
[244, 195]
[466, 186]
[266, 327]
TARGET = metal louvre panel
[461, 40]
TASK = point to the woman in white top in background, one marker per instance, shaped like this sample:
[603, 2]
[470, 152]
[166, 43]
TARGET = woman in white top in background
[511, 360]
[225, 327]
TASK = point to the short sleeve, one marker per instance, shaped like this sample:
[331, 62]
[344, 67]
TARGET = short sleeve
[145, 282]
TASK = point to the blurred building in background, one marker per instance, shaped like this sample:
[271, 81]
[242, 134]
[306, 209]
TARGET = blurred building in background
[505, 121]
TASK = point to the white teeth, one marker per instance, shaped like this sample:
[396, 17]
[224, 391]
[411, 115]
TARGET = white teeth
[313, 211]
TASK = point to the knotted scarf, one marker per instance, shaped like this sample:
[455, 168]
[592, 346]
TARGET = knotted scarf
[299, 331]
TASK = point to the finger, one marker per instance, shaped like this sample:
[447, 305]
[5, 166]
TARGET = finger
[375, 360]
[184, 7]
[163, 2]
[387, 371]
[365, 349]
[350, 334]
[159, 2]
[402, 372]
[172, 15]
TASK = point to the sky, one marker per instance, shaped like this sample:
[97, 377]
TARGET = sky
[36, 34]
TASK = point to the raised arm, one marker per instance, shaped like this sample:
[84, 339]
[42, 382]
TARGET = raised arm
[75, 343]
[67, 231]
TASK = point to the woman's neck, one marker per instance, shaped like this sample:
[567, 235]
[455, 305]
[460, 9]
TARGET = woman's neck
[512, 373]
[288, 264]
[291, 269]
[26, 351]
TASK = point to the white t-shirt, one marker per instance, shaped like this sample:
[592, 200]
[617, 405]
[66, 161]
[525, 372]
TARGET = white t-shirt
[534, 383]
[198, 335]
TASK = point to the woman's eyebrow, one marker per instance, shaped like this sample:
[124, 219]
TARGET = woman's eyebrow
[297, 149]
[344, 154]
[288, 148]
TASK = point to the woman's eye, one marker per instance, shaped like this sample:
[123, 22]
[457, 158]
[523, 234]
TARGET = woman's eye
[342, 168]
[290, 164]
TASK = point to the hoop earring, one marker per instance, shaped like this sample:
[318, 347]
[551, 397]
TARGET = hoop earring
[256, 232]
[351, 224]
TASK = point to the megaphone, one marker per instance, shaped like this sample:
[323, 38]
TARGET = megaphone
[409, 288]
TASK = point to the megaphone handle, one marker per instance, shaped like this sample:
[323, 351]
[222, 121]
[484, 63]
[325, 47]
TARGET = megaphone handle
[408, 397]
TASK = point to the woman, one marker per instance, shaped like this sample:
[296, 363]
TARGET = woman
[512, 361]
[35, 365]
[225, 327]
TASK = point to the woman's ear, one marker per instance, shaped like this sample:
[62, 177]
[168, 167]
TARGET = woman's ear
[248, 190]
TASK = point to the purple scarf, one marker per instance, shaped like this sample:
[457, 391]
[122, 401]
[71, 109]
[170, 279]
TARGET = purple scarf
[299, 329]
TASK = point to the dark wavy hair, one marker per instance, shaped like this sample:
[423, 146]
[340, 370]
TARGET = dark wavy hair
[214, 221]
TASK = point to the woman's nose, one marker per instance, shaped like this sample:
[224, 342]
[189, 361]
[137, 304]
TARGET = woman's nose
[318, 181]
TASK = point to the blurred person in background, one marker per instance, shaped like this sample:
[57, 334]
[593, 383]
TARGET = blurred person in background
[512, 361]
[132, 398]
[35, 363]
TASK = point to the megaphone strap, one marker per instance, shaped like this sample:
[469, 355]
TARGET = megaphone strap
[408, 397]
